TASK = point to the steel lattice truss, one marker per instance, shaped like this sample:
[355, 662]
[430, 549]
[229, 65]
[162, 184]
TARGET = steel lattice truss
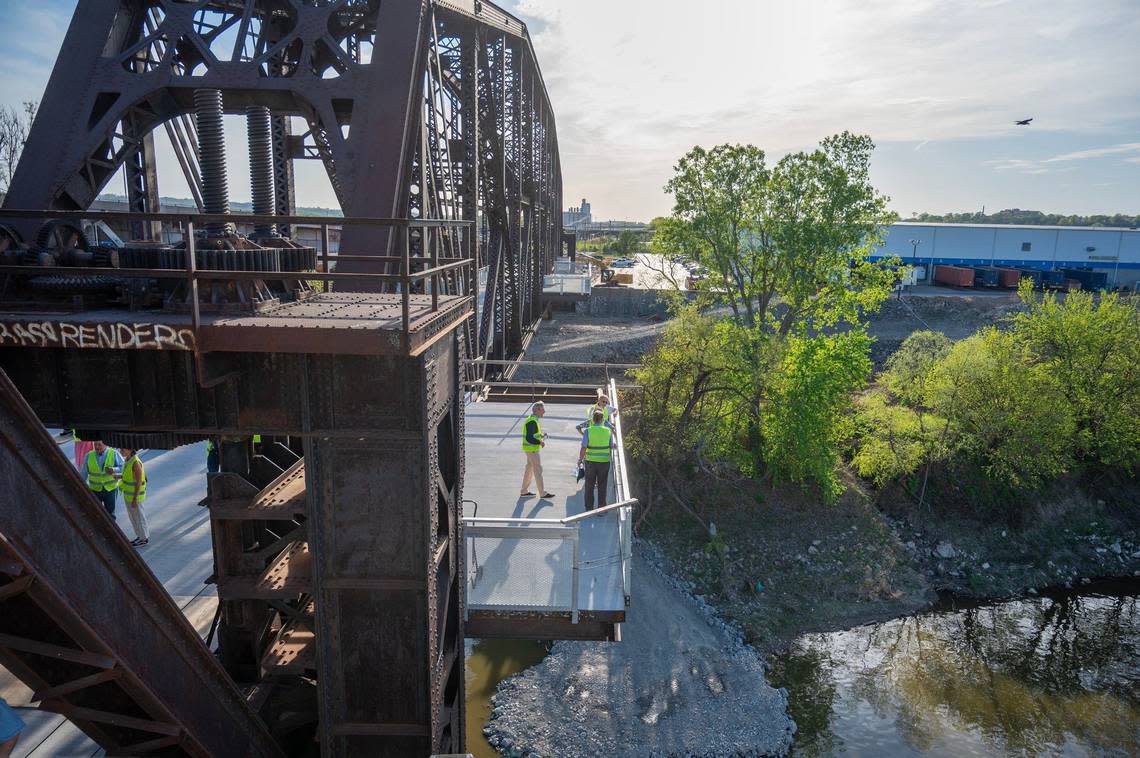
[416, 109]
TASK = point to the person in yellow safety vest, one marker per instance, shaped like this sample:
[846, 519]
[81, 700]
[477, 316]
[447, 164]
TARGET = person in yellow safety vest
[99, 468]
[532, 442]
[596, 442]
[602, 405]
[134, 493]
[213, 460]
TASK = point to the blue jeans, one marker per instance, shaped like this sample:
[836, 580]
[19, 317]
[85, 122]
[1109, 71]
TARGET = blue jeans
[10, 722]
[108, 498]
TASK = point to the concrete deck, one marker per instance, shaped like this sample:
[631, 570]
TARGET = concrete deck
[179, 554]
[534, 574]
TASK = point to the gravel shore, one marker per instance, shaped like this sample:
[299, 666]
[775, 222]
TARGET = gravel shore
[680, 683]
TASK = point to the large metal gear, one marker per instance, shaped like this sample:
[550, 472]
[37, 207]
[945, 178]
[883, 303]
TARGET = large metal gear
[205, 259]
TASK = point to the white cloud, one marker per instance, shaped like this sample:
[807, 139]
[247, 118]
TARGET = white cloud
[1126, 151]
[636, 83]
[1099, 152]
[1017, 164]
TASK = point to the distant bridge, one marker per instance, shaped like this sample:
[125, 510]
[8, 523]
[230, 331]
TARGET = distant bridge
[610, 229]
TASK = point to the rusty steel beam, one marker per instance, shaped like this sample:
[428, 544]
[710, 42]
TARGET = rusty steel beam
[418, 109]
[384, 527]
[85, 623]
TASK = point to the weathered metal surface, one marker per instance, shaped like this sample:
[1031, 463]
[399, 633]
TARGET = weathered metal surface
[430, 118]
[85, 624]
[591, 625]
[383, 523]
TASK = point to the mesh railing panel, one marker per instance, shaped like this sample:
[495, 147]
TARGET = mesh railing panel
[520, 573]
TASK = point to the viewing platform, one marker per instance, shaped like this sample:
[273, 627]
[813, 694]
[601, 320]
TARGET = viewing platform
[542, 568]
[570, 282]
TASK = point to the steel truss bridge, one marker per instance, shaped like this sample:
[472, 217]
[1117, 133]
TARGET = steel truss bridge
[338, 548]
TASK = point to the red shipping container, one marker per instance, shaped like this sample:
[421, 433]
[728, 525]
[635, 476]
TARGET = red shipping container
[1009, 277]
[954, 276]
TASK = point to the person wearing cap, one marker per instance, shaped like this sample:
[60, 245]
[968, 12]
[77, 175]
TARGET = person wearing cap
[595, 451]
[100, 469]
[533, 441]
[603, 405]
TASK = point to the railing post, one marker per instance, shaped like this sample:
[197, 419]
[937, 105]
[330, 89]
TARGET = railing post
[574, 544]
[406, 285]
[434, 261]
[467, 548]
[325, 252]
[192, 278]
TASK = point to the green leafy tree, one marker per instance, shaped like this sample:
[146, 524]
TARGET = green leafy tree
[1007, 413]
[898, 438]
[1018, 216]
[627, 243]
[1091, 347]
[756, 379]
[780, 242]
[809, 393]
[895, 440]
[908, 367]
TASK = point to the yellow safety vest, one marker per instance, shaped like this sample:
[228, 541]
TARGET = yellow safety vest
[528, 448]
[98, 476]
[592, 408]
[129, 480]
[598, 438]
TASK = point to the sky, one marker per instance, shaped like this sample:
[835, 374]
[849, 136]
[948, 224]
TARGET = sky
[937, 84]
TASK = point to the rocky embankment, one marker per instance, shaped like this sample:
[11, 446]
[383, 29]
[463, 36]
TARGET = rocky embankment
[680, 683]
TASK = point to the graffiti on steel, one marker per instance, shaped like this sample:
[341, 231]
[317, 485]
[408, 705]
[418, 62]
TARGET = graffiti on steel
[105, 336]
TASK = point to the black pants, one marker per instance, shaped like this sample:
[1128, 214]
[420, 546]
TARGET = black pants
[597, 474]
[108, 498]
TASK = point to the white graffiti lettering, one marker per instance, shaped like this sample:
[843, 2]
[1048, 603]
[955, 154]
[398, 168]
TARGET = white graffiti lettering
[112, 336]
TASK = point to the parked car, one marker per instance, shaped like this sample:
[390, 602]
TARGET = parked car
[623, 263]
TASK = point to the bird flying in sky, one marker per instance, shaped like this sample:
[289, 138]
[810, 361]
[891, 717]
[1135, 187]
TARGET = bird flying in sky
[1023, 122]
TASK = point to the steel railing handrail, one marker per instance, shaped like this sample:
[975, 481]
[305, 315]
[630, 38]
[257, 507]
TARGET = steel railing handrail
[538, 385]
[193, 276]
[203, 274]
[504, 362]
[522, 526]
[229, 218]
[576, 518]
[619, 438]
[621, 486]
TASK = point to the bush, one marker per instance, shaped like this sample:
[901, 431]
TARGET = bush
[1004, 411]
[894, 439]
[1091, 348]
[909, 366]
[805, 418]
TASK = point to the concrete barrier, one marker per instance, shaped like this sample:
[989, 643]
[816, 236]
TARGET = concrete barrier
[625, 301]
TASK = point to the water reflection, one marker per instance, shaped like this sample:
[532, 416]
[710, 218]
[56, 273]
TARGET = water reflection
[1055, 674]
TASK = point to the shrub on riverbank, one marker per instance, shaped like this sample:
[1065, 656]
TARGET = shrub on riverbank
[1009, 411]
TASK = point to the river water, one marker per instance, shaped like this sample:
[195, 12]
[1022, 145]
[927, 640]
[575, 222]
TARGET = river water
[1057, 674]
[488, 663]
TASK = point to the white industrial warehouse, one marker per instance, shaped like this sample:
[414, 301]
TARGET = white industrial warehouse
[1116, 252]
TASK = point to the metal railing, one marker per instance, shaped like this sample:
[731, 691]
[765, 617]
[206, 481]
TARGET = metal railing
[564, 530]
[566, 284]
[430, 235]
